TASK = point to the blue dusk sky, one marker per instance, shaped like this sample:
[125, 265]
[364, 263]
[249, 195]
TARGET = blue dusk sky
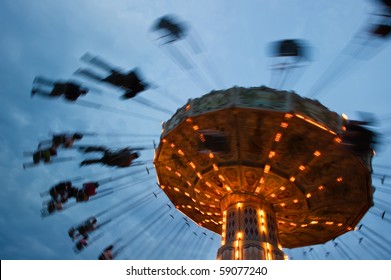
[347, 71]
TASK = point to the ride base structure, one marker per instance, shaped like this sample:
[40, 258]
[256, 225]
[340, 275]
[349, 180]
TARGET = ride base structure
[282, 180]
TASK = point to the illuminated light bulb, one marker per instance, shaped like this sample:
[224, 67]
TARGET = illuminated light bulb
[172, 145]
[293, 224]
[267, 168]
[211, 155]
[188, 183]
[197, 190]
[187, 194]
[284, 125]
[283, 204]
[168, 168]
[262, 180]
[278, 137]
[227, 188]
[208, 184]
[178, 174]
[181, 152]
[258, 189]
[215, 167]
[196, 127]
[317, 153]
[272, 154]
[338, 140]
[164, 140]
[302, 167]
[273, 195]
[344, 116]
[329, 223]
[314, 222]
[292, 179]
[199, 175]
[221, 177]
[189, 206]
[288, 116]
[188, 120]
[194, 200]
[304, 225]
[321, 188]
[308, 195]
[176, 189]
[282, 188]
[162, 187]
[188, 107]
[202, 203]
[192, 165]
[295, 201]
[339, 179]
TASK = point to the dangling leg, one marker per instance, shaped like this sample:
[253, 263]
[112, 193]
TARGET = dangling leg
[89, 74]
[44, 81]
[43, 93]
[97, 62]
[91, 149]
[90, 161]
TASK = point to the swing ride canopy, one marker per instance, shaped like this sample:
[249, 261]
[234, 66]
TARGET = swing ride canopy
[283, 148]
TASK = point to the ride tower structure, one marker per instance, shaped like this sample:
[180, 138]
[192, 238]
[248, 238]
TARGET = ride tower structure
[263, 168]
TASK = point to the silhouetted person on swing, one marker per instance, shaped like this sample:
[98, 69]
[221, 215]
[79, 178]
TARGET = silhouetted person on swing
[70, 90]
[107, 253]
[65, 140]
[130, 81]
[89, 189]
[357, 138]
[120, 158]
[81, 244]
[173, 30]
[52, 206]
[84, 229]
[45, 155]
[61, 192]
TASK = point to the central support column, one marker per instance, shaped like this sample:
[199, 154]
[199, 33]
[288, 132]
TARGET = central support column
[249, 229]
